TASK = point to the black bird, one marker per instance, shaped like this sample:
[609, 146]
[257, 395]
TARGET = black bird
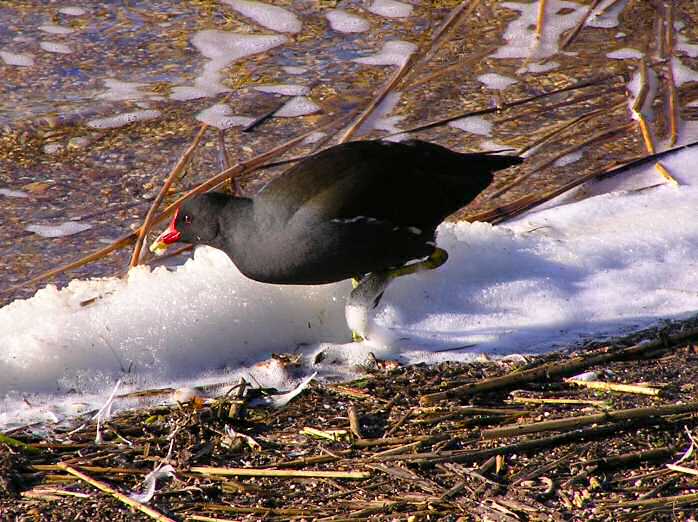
[364, 207]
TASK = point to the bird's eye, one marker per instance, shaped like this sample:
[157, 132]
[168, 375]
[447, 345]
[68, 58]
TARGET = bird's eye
[187, 219]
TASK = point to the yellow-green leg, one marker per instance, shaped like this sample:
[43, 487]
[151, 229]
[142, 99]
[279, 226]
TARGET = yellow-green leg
[435, 260]
[355, 335]
[438, 257]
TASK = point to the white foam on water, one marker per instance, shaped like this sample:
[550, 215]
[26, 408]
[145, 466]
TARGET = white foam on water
[538, 67]
[345, 22]
[390, 8]
[270, 16]
[52, 148]
[220, 116]
[496, 81]
[682, 44]
[120, 120]
[520, 33]
[395, 52]
[286, 89]
[297, 106]
[72, 11]
[474, 125]
[13, 193]
[119, 90]
[492, 145]
[568, 158]
[379, 118]
[293, 69]
[682, 73]
[605, 17]
[625, 53]
[389, 124]
[17, 59]
[64, 229]
[222, 48]
[55, 47]
[56, 29]
[314, 137]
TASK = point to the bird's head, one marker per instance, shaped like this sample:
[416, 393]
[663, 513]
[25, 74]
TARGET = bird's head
[195, 222]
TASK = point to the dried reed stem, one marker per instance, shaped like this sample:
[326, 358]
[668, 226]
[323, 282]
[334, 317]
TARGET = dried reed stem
[218, 179]
[507, 105]
[580, 25]
[642, 121]
[287, 473]
[571, 402]
[587, 420]
[541, 18]
[573, 148]
[673, 96]
[116, 494]
[616, 387]
[174, 174]
[354, 423]
[391, 83]
[550, 371]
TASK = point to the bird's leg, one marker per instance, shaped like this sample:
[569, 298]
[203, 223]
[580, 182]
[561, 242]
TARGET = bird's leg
[365, 297]
[354, 335]
[369, 290]
[437, 258]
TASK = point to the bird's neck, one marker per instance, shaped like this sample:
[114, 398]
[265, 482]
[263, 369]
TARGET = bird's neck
[236, 224]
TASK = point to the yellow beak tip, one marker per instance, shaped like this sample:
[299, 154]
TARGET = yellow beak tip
[158, 247]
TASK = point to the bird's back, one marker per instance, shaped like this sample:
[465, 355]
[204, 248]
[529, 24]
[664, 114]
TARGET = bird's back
[410, 183]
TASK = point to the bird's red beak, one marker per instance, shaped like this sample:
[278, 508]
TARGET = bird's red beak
[169, 236]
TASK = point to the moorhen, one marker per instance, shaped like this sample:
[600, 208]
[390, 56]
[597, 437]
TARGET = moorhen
[359, 210]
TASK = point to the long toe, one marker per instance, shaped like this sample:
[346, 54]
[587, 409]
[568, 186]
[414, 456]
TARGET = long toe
[356, 337]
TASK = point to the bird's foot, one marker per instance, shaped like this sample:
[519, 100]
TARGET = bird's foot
[356, 337]
[438, 257]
